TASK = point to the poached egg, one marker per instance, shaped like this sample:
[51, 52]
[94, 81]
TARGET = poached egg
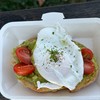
[58, 59]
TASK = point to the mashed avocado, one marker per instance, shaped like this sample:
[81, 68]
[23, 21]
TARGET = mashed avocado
[34, 77]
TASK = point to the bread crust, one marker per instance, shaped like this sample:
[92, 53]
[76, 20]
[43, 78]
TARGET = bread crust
[87, 80]
[84, 83]
[31, 86]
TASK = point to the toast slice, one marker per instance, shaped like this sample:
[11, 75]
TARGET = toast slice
[87, 80]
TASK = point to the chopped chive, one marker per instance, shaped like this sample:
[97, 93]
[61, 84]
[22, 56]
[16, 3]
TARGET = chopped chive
[79, 49]
[68, 50]
[61, 52]
[53, 33]
[70, 66]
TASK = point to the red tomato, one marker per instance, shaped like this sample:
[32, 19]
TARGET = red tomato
[24, 55]
[87, 53]
[23, 69]
[88, 67]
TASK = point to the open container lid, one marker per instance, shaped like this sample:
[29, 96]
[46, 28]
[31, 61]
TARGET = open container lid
[13, 33]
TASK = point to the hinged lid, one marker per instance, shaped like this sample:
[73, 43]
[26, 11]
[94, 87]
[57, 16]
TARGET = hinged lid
[53, 16]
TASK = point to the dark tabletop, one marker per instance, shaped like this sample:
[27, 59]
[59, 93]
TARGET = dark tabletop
[84, 10]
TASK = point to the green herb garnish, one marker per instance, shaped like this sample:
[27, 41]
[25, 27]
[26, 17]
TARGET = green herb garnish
[70, 66]
[79, 49]
[76, 71]
[53, 33]
[53, 55]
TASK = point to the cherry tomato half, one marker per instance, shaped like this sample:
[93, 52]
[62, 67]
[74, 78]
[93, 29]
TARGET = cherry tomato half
[87, 53]
[23, 69]
[88, 67]
[24, 55]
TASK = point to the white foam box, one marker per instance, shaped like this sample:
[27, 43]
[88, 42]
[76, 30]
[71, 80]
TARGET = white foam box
[84, 30]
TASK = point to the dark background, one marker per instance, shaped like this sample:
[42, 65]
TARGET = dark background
[8, 5]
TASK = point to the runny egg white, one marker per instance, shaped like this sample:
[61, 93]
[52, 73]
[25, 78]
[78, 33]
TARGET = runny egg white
[58, 59]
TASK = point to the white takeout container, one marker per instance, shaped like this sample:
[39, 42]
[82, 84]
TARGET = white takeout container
[84, 30]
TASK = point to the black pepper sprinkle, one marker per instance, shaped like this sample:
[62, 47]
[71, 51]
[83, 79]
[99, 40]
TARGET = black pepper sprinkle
[42, 39]
[60, 61]
[71, 54]
[76, 71]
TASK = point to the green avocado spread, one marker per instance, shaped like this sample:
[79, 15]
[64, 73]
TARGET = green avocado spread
[34, 77]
